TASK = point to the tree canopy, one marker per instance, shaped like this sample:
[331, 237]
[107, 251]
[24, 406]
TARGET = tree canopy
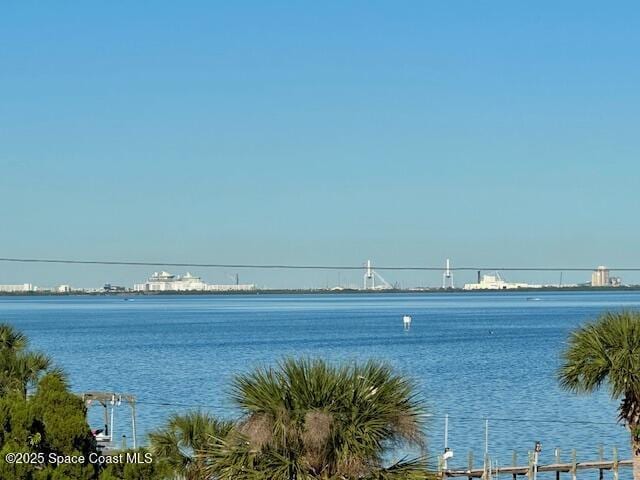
[607, 352]
[308, 419]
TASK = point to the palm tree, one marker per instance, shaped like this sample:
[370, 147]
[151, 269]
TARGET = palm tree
[178, 445]
[608, 352]
[20, 369]
[307, 419]
[11, 339]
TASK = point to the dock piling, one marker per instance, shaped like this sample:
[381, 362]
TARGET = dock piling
[601, 458]
[470, 463]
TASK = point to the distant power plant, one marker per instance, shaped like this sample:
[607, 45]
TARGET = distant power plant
[496, 282]
[601, 277]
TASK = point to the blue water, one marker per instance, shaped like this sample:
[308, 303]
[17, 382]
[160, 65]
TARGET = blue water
[472, 356]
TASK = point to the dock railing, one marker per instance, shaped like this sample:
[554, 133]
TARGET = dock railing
[491, 470]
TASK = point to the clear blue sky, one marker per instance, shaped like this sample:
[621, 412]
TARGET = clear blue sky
[318, 132]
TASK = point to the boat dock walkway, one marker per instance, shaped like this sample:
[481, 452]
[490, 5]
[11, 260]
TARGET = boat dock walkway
[490, 471]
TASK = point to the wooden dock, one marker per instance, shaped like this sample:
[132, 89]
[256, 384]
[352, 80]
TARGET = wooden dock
[552, 467]
[490, 470]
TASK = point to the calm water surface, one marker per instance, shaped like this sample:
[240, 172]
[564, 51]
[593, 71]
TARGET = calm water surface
[473, 356]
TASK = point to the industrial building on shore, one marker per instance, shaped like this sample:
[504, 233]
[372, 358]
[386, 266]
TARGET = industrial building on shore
[167, 282]
[601, 277]
[495, 282]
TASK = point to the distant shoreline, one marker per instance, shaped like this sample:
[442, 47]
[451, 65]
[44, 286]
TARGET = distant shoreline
[284, 291]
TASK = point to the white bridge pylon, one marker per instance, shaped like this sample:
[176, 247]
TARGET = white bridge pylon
[447, 275]
[370, 276]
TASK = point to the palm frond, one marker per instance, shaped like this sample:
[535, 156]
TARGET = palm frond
[11, 339]
[606, 351]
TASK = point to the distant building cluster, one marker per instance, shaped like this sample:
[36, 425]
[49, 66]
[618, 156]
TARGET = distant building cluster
[167, 282]
[30, 288]
[158, 282]
[601, 278]
[19, 288]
